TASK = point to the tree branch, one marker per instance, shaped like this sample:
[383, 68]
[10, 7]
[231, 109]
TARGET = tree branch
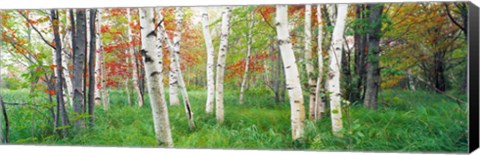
[451, 17]
[36, 30]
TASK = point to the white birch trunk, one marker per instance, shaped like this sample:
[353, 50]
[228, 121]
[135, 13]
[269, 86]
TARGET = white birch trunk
[291, 73]
[66, 73]
[98, 57]
[308, 60]
[319, 104]
[335, 59]
[222, 54]
[210, 61]
[247, 59]
[154, 76]
[134, 62]
[173, 78]
[103, 71]
[163, 33]
[176, 62]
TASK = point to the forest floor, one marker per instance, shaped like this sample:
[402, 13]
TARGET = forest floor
[405, 122]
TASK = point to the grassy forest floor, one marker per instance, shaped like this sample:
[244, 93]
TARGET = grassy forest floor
[406, 121]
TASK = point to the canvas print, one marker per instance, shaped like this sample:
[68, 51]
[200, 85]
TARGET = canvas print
[320, 77]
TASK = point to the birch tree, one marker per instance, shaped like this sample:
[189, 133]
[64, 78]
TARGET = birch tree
[173, 78]
[333, 81]
[222, 54]
[176, 62]
[247, 59]
[308, 60]
[66, 71]
[152, 57]
[99, 58]
[133, 57]
[210, 61]
[319, 106]
[103, 72]
[297, 109]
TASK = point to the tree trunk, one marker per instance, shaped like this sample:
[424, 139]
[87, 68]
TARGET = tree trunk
[99, 59]
[247, 59]
[276, 67]
[373, 67]
[360, 47]
[173, 78]
[210, 61]
[59, 89]
[411, 83]
[291, 74]
[309, 62]
[153, 69]
[319, 106]
[333, 81]
[176, 62]
[79, 58]
[439, 71]
[222, 54]
[91, 66]
[85, 64]
[134, 61]
[66, 70]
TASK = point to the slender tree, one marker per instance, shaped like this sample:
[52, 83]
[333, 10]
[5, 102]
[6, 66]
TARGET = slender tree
[176, 62]
[308, 60]
[210, 61]
[152, 58]
[333, 81]
[319, 107]
[297, 109]
[99, 59]
[59, 89]
[173, 78]
[91, 66]
[222, 54]
[134, 61]
[247, 59]
[67, 51]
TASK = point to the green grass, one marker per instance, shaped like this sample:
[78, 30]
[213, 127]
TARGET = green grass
[406, 121]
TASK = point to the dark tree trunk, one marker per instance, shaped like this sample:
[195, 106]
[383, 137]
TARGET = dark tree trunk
[373, 68]
[141, 74]
[61, 112]
[346, 75]
[91, 67]
[360, 55]
[438, 76]
[79, 58]
[276, 75]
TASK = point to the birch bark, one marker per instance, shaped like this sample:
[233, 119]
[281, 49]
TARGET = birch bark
[297, 108]
[247, 59]
[333, 81]
[210, 61]
[319, 104]
[154, 76]
[222, 54]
